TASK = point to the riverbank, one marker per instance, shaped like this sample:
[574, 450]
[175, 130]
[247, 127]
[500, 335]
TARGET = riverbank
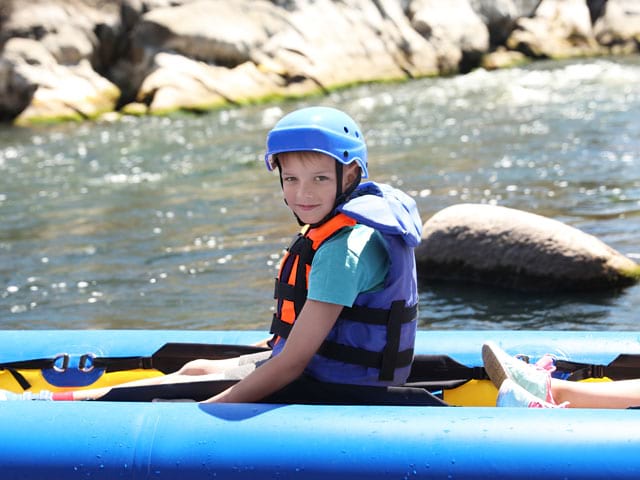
[79, 59]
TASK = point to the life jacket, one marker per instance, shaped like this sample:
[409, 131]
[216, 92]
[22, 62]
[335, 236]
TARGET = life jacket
[372, 341]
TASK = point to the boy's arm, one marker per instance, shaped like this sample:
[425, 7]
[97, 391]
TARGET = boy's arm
[311, 328]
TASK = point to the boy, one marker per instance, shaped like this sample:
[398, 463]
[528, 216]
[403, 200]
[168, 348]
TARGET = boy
[346, 293]
[346, 314]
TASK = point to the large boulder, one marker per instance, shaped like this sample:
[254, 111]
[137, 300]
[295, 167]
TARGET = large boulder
[52, 53]
[300, 56]
[201, 54]
[619, 27]
[500, 15]
[515, 249]
[217, 32]
[46, 90]
[454, 28]
[368, 41]
[558, 29]
[178, 82]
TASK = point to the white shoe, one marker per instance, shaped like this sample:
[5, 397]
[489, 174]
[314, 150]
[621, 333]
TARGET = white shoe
[500, 366]
[513, 395]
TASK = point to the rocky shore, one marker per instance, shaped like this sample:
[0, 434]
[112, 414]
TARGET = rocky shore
[79, 59]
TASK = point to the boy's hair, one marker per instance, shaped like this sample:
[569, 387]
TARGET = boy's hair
[305, 156]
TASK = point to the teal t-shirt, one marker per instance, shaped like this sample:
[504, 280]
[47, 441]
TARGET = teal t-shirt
[354, 261]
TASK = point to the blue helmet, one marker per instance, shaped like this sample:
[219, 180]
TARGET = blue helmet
[318, 129]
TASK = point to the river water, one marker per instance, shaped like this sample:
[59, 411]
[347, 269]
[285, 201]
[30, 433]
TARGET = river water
[175, 223]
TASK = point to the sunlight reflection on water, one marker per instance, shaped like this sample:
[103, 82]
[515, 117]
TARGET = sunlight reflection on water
[175, 223]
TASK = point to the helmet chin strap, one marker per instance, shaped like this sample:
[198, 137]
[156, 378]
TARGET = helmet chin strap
[341, 197]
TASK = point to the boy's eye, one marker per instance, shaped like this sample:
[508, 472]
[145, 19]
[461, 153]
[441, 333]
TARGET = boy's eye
[321, 178]
[289, 179]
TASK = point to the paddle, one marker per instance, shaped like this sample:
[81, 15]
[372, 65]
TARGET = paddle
[428, 371]
[171, 356]
[168, 358]
[625, 366]
[196, 391]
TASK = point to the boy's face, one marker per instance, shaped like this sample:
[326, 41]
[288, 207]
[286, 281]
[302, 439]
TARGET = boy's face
[309, 183]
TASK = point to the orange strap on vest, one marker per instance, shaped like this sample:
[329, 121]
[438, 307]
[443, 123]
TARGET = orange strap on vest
[296, 265]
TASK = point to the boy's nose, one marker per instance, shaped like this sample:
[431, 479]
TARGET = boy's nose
[306, 190]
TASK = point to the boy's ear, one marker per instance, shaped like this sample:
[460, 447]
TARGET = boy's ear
[351, 173]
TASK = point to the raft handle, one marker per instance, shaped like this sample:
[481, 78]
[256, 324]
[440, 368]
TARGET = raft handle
[85, 364]
[56, 361]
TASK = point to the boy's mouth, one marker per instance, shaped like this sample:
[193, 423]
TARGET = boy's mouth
[307, 208]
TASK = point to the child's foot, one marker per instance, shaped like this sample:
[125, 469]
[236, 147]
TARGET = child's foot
[501, 366]
[513, 395]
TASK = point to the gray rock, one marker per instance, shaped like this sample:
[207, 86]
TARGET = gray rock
[217, 32]
[558, 29]
[511, 248]
[619, 26]
[50, 61]
[49, 90]
[369, 41]
[77, 58]
[457, 32]
[500, 15]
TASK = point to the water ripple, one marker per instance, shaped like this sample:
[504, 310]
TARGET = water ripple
[173, 222]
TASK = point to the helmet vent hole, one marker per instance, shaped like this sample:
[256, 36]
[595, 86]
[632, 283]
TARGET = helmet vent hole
[346, 130]
[345, 154]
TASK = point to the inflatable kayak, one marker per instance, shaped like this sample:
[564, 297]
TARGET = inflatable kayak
[133, 439]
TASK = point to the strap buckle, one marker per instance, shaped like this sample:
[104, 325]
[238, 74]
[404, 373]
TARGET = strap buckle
[60, 363]
[86, 362]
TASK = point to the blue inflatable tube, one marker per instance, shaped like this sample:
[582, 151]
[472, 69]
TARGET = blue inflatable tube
[191, 441]
[464, 346]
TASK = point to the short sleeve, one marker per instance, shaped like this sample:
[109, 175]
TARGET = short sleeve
[352, 262]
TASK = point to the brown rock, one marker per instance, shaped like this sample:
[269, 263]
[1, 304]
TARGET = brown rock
[515, 249]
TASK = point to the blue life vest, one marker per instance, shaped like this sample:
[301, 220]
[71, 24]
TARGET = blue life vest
[371, 342]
